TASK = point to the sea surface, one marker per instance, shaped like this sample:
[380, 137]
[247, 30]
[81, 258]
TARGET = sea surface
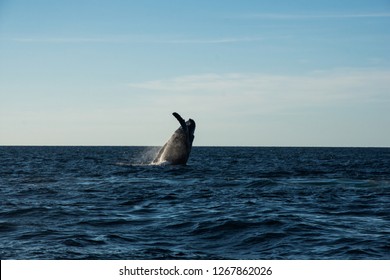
[226, 203]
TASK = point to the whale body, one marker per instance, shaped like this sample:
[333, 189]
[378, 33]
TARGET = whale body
[178, 147]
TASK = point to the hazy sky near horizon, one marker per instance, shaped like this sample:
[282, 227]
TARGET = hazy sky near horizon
[262, 73]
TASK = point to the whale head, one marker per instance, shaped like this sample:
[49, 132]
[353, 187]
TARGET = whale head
[191, 126]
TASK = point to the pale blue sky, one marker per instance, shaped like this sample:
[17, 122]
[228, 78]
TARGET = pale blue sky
[262, 73]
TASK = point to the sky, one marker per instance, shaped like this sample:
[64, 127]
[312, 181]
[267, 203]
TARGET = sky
[250, 73]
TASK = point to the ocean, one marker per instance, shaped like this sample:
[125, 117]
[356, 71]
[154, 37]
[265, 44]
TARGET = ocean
[226, 203]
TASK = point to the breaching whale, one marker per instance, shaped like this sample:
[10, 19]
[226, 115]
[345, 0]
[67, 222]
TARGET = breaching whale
[177, 149]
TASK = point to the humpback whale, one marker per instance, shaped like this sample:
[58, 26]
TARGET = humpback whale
[178, 147]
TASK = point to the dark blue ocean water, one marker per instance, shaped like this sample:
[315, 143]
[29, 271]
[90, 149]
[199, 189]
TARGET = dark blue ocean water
[227, 203]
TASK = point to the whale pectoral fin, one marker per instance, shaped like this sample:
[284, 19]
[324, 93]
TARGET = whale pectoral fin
[181, 121]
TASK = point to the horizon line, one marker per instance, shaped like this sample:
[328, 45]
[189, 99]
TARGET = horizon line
[202, 146]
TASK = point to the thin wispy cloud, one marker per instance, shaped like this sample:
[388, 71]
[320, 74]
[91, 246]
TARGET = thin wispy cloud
[64, 40]
[132, 39]
[271, 93]
[222, 40]
[272, 16]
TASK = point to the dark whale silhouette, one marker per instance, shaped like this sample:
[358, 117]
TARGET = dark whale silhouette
[177, 149]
